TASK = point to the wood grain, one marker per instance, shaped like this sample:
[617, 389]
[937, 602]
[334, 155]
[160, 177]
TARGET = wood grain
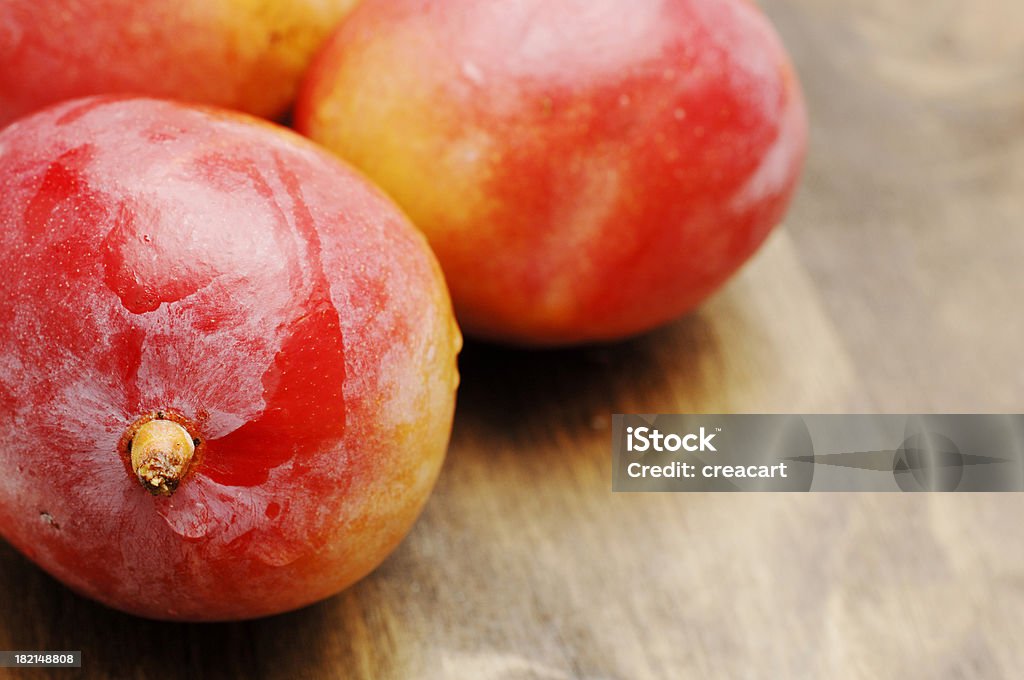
[896, 285]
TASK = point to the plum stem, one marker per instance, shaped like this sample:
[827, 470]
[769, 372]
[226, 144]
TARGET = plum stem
[161, 451]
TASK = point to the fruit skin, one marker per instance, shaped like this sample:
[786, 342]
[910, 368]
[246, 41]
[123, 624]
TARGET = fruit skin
[242, 54]
[157, 256]
[584, 169]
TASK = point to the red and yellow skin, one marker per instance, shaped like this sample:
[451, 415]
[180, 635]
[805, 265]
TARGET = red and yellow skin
[584, 169]
[242, 54]
[204, 269]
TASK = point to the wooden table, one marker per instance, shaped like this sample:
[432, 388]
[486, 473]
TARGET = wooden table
[897, 285]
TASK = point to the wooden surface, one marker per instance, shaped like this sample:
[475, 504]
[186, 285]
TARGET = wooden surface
[896, 285]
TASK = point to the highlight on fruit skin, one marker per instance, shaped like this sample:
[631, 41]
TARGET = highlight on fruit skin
[585, 170]
[243, 54]
[227, 361]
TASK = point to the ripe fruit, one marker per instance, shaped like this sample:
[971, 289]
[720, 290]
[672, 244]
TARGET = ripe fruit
[213, 306]
[584, 169]
[243, 54]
